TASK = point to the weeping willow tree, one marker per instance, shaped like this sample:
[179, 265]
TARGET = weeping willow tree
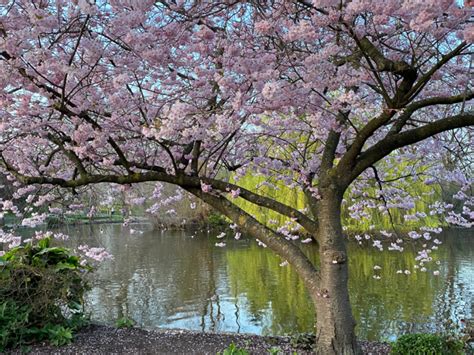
[422, 194]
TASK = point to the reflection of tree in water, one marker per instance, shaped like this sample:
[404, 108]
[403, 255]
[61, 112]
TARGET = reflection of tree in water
[270, 291]
[395, 304]
[459, 281]
[212, 297]
[170, 279]
[156, 278]
[391, 304]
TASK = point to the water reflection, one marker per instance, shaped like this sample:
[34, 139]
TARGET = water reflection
[169, 279]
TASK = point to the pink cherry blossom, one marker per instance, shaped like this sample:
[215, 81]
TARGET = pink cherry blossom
[350, 104]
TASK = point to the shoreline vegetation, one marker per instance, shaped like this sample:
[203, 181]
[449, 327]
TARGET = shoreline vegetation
[212, 222]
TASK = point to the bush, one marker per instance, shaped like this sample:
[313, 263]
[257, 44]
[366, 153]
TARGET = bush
[217, 220]
[428, 344]
[41, 294]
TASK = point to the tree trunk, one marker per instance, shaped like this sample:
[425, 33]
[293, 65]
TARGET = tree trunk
[328, 288]
[335, 326]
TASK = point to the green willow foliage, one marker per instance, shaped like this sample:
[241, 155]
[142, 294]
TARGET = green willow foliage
[423, 194]
[278, 191]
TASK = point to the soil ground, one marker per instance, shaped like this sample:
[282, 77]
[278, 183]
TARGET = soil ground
[97, 339]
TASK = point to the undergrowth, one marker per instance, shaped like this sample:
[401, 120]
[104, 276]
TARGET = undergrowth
[41, 294]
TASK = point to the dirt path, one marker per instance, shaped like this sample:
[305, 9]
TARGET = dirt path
[107, 340]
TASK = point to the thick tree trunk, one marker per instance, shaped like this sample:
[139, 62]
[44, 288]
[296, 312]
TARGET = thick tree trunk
[335, 333]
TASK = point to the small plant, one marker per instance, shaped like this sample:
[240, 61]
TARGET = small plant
[13, 317]
[58, 335]
[457, 335]
[124, 322]
[429, 344]
[217, 220]
[304, 341]
[233, 349]
[274, 351]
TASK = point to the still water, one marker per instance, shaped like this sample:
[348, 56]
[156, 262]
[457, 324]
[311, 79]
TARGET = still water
[170, 279]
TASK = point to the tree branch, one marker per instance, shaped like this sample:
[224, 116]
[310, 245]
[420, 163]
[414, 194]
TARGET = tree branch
[432, 101]
[399, 140]
[420, 84]
[284, 248]
[347, 161]
[184, 181]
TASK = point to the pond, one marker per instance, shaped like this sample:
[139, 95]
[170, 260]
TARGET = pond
[179, 279]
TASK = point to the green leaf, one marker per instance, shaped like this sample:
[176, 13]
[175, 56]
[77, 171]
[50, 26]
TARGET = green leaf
[64, 265]
[52, 250]
[44, 243]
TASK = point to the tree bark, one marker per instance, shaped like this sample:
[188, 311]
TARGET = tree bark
[335, 325]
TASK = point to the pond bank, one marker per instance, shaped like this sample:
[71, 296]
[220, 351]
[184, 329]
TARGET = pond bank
[97, 339]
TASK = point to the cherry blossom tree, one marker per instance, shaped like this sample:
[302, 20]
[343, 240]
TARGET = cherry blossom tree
[323, 96]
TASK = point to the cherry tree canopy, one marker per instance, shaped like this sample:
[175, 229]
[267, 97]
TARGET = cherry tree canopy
[314, 94]
[97, 91]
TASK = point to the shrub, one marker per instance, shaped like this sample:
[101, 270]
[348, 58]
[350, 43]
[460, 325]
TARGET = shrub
[13, 317]
[217, 220]
[41, 294]
[428, 344]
